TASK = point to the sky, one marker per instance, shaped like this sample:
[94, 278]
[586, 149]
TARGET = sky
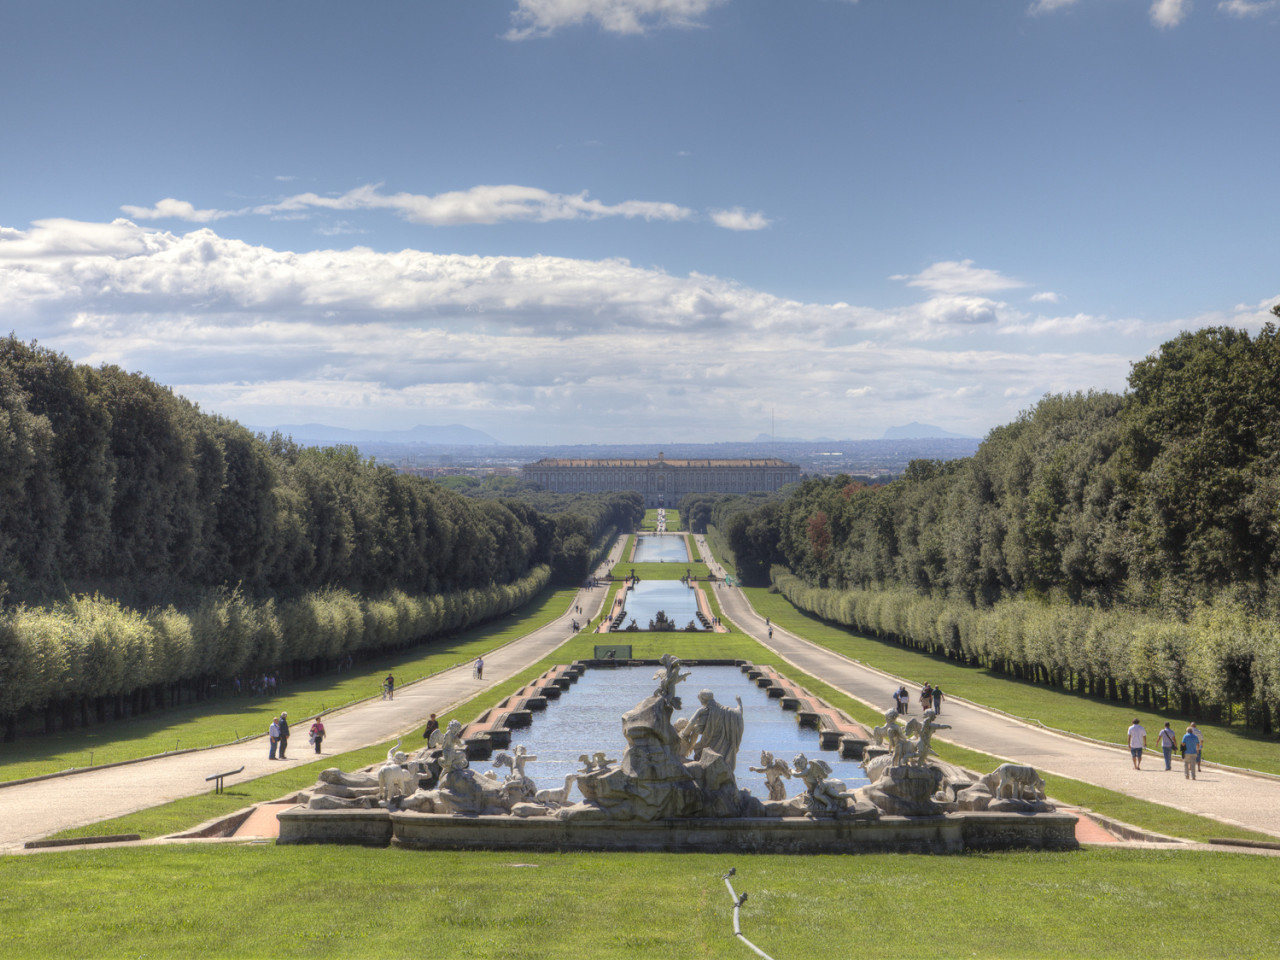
[564, 221]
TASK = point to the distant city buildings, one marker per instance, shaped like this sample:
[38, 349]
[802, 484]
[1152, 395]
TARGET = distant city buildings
[662, 482]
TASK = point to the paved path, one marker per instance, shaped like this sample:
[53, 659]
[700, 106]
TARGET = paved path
[34, 810]
[1247, 801]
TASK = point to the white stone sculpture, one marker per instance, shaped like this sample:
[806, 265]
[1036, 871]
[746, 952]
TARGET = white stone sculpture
[774, 771]
[824, 794]
[926, 727]
[393, 779]
[893, 736]
[714, 727]
[558, 796]
[1013, 781]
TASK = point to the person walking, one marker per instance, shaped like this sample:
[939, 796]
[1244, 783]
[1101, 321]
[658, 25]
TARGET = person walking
[284, 734]
[1137, 743]
[1199, 746]
[937, 700]
[273, 734]
[1190, 753]
[317, 733]
[926, 698]
[1168, 741]
[389, 688]
[479, 668]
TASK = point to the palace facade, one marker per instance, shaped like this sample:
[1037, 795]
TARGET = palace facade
[660, 481]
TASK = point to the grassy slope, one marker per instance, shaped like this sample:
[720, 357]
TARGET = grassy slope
[1097, 719]
[328, 901]
[224, 719]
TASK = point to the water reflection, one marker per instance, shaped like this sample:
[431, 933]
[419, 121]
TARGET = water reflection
[649, 596]
[588, 718]
[655, 549]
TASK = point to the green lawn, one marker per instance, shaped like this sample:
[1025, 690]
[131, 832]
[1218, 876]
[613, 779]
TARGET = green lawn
[660, 571]
[1097, 719]
[225, 719]
[249, 901]
[650, 521]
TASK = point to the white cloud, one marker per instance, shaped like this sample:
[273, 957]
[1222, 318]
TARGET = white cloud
[170, 209]
[1248, 8]
[1045, 296]
[478, 205]
[1048, 6]
[519, 346]
[1169, 13]
[739, 219]
[542, 18]
[958, 277]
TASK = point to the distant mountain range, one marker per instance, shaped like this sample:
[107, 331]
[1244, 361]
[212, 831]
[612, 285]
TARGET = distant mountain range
[319, 434]
[921, 431]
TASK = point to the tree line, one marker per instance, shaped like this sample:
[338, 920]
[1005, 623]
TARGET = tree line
[123, 506]
[1123, 516]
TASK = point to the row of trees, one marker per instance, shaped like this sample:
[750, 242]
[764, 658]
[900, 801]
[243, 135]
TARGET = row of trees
[1158, 499]
[110, 482]
[1217, 659]
[90, 653]
[1122, 515]
[145, 545]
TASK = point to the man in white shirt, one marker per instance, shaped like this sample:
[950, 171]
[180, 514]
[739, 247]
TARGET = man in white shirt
[1137, 742]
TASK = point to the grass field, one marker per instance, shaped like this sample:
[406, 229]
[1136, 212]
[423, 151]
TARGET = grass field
[225, 719]
[300, 902]
[650, 521]
[1086, 716]
[660, 571]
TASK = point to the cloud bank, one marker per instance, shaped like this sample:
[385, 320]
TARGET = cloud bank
[536, 348]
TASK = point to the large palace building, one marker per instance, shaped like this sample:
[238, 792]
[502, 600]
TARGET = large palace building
[661, 482]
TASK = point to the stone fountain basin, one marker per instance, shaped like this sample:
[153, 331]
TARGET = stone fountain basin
[946, 833]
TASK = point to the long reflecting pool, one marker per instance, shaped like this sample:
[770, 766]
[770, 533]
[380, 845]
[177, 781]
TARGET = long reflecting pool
[656, 549]
[647, 597]
[588, 717]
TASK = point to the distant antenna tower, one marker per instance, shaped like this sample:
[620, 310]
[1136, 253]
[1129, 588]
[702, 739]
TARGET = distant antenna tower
[771, 426]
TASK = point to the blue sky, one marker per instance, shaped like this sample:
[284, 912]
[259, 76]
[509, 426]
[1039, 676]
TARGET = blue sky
[595, 220]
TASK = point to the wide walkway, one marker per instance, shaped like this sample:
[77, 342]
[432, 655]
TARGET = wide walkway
[33, 810]
[1236, 798]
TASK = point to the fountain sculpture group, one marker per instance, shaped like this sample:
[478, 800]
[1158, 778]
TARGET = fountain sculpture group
[677, 772]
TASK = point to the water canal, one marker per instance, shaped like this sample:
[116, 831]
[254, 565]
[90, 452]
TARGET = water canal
[662, 548]
[588, 718]
[646, 598]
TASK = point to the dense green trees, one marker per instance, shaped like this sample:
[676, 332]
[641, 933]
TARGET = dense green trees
[1128, 544]
[145, 545]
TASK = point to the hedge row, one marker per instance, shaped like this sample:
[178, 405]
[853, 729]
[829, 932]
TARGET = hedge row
[91, 646]
[1218, 657]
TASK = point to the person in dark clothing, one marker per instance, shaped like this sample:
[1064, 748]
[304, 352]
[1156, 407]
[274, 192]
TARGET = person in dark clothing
[284, 735]
[432, 726]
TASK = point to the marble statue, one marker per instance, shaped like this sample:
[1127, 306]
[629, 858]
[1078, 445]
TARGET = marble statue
[1013, 781]
[394, 779]
[669, 676]
[926, 728]
[714, 727]
[774, 771]
[824, 794]
[893, 736]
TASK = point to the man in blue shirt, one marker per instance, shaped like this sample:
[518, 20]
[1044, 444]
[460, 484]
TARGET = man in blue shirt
[1191, 748]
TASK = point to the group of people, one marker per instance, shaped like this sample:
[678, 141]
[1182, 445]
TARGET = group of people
[1191, 747]
[930, 699]
[278, 735]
